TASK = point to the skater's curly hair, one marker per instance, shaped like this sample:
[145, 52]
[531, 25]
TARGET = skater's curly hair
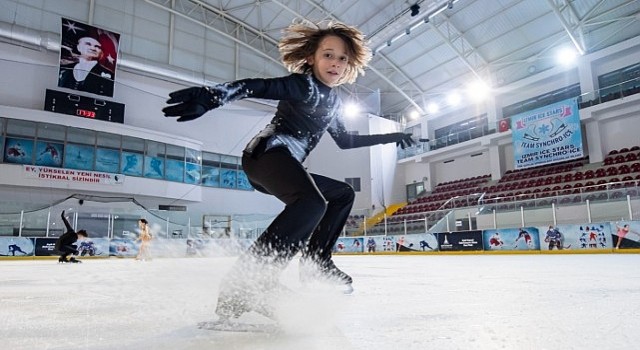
[301, 41]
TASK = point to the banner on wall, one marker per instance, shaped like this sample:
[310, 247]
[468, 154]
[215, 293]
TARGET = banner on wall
[523, 238]
[88, 58]
[424, 242]
[46, 247]
[576, 236]
[460, 241]
[71, 175]
[547, 135]
[625, 234]
[349, 245]
[16, 246]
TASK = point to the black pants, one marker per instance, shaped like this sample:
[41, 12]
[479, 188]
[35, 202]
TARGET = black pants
[316, 207]
[67, 250]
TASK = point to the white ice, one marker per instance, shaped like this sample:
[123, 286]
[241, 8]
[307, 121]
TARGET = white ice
[400, 302]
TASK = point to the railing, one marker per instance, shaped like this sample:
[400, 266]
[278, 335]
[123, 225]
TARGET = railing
[445, 220]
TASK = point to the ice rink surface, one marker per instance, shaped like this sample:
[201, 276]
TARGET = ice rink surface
[400, 302]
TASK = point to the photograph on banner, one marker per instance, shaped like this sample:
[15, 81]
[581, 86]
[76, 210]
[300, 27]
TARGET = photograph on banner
[192, 173]
[153, 167]
[228, 178]
[210, 176]
[424, 242]
[16, 246]
[174, 170]
[79, 157]
[373, 244]
[19, 151]
[131, 163]
[547, 135]
[123, 247]
[108, 160]
[349, 245]
[522, 238]
[576, 236]
[94, 247]
[243, 181]
[88, 58]
[49, 154]
[460, 241]
[625, 234]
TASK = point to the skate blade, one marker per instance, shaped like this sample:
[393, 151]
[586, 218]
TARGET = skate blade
[240, 327]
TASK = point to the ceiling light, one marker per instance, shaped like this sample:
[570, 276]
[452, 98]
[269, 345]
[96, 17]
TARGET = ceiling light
[351, 109]
[432, 108]
[566, 56]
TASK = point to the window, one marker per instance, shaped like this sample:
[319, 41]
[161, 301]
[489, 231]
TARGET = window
[174, 167]
[108, 152]
[354, 182]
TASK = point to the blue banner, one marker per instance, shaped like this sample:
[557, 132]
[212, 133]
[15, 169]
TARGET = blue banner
[547, 135]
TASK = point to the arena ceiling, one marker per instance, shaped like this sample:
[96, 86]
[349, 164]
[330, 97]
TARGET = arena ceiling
[443, 46]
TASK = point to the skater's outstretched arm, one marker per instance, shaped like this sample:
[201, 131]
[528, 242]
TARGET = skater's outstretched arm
[66, 223]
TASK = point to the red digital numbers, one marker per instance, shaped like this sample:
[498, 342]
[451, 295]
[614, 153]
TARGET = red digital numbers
[85, 113]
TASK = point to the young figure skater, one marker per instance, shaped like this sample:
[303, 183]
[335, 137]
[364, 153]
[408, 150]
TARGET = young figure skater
[144, 238]
[316, 207]
[65, 243]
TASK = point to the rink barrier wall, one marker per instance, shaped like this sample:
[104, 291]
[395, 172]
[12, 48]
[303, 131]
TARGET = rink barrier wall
[588, 238]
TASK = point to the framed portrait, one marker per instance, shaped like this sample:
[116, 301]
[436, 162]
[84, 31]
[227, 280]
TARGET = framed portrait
[88, 58]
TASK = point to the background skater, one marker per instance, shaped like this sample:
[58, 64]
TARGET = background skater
[65, 243]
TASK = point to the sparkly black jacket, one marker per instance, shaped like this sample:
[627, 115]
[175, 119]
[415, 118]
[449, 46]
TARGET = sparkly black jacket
[307, 109]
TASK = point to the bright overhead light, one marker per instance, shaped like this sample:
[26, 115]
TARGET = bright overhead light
[566, 56]
[351, 109]
[432, 108]
[414, 115]
[478, 91]
[453, 99]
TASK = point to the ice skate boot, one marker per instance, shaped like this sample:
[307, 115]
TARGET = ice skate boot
[324, 269]
[237, 299]
[62, 260]
[74, 260]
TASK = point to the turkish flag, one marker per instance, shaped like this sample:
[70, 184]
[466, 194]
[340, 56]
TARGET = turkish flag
[504, 125]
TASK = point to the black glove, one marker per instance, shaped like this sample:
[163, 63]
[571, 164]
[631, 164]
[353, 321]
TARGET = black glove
[193, 102]
[404, 140]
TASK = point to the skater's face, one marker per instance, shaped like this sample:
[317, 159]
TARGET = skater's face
[330, 60]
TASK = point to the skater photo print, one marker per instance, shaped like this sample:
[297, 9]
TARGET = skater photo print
[576, 236]
[88, 58]
[16, 246]
[521, 238]
[626, 234]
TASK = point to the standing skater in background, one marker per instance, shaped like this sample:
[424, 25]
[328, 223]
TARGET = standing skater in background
[144, 238]
[65, 243]
[316, 206]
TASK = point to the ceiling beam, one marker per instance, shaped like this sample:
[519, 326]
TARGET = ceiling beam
[460, 45]
[570, 22]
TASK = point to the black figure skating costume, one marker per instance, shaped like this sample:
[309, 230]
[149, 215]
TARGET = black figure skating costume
[65, 243]
[317, 207]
